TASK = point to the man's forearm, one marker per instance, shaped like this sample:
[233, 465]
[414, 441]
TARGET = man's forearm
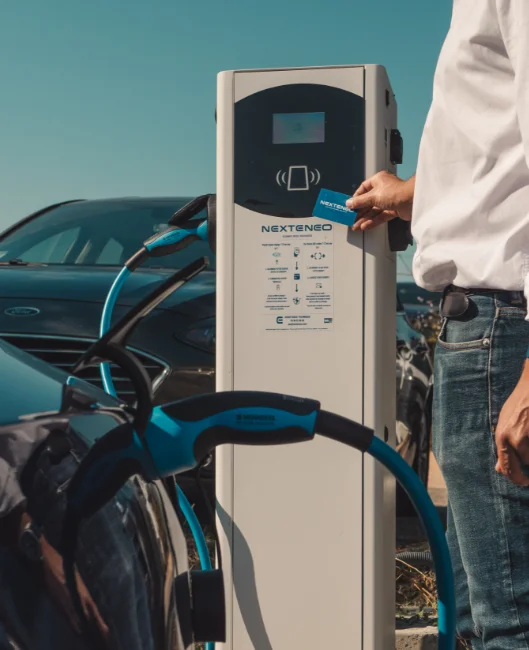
[405, 207]
[411, 185]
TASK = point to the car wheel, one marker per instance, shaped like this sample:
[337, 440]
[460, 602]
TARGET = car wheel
[419, 422]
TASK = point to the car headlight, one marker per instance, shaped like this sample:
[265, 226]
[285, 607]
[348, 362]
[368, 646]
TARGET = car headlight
[201, 335]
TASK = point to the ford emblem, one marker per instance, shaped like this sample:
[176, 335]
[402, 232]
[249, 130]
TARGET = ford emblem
[21, 311]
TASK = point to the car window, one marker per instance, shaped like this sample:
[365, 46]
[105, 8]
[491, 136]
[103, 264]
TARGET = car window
[97, 233]
[52, 250]
[111, 252]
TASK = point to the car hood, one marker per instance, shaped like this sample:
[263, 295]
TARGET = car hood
[91, 284]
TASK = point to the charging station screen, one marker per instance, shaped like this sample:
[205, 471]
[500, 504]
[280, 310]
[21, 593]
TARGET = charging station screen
[298, 128]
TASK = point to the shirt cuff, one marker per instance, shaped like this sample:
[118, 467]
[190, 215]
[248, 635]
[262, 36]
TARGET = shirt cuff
[526, 293]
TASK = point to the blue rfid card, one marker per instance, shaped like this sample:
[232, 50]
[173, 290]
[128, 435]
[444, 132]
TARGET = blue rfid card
[331, 206]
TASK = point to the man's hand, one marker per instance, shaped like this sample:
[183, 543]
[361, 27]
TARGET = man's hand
[381, 198]
[512, 432]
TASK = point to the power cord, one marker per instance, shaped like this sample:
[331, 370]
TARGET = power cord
[209, 507]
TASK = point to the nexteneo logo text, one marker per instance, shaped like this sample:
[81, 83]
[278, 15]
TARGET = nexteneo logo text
[297, 228]
[335, 206]
[255, 418]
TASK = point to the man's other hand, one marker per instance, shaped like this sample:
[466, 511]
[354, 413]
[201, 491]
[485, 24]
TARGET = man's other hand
[512, 433]
[381, 198]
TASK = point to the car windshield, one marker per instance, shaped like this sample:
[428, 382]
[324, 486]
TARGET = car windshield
[99, 233]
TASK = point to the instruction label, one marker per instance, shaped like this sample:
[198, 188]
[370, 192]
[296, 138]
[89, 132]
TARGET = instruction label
[297, 278]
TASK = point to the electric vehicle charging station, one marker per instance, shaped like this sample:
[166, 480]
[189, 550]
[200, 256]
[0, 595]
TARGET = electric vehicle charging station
[159, 442]
[306, 307]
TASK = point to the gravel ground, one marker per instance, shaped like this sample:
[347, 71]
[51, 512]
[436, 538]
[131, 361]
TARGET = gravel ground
[415, 587]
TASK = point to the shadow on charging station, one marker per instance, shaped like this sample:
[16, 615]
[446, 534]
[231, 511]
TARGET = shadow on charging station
[245, 591]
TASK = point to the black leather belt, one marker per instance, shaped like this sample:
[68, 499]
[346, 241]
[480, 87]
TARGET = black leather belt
[455, 301]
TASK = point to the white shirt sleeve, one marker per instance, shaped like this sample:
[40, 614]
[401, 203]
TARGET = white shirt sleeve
[513, 19]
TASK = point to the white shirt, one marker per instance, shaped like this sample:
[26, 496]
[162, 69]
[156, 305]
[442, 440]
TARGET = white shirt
[471, 207]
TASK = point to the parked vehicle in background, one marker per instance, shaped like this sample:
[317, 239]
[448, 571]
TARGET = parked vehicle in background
[416, 300]
[57, 266]
[414, 400]
[422, 308]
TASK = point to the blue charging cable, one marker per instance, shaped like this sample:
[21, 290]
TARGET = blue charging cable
[382, 453]
[180, 435]
[104, 326]
[108, 385]
[175, 239]
[180, 233]
[411, 483]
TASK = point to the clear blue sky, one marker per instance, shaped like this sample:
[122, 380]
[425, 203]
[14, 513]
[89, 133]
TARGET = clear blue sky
[104, 98]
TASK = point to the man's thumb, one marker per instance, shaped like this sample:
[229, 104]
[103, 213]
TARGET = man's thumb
[361, 202]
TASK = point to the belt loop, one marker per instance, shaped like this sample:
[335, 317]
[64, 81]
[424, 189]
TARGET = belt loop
[517, 298]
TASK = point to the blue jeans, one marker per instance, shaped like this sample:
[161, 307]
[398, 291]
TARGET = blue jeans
[478, 361]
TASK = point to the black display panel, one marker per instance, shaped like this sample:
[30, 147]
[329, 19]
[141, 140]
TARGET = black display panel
[291, 141]
[298, 128]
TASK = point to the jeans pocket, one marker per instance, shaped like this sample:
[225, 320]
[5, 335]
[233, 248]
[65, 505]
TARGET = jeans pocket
[464, 335]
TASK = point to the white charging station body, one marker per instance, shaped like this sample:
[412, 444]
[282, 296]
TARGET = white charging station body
[305, 307]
